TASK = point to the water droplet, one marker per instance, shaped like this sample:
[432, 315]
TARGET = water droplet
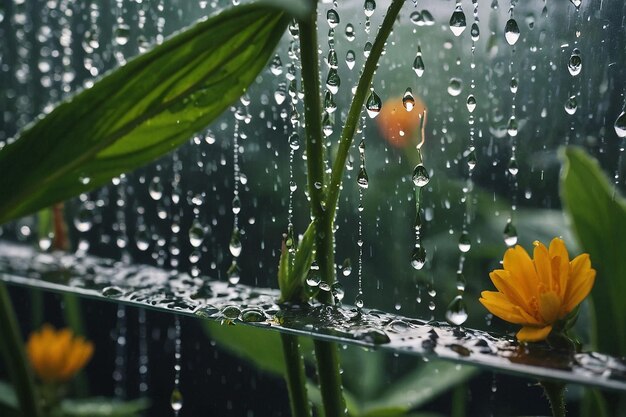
[196, 234]
[328, 123]
[511, 32]
[457, 21]
[457, 313]
[427, 18]
[511, 127]
[369, 7]
[408, 100]
[475, 32]
[333, 81]
[471, 103]
[332, 17]
[350, 32]
[231, 312]
[313, 278]
[576, 3]
[176, 400]
[358, 301]
[571, 105]
[346, 268]
[112, 291]
[362, 180]
[464, 242]
[471, 160]
[513, 85]
[323, 286]
[418, 63]
[276, 65]
[233, 273]
[338, 292]
[155, 189]
[373, 105]
[331, 59]
[235, 243]
[122, 33]
[252, 316]
[510, 234]
[83, 220]
[367, 49]
[329, 102]
[236, 205]
[455, 87]
[420, 176]
[620, 125]
[294, 141]
[513, 168]
[575, 63]
[418, 257]
[350, 59]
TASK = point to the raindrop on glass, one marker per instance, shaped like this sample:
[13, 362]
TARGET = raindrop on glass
[575, 63]
[369, 7]
[511, 32]
[362, 179]
[457, 21]
[418, 257]
[176, 400]
[276, 66]
[471, 103]
[510, 234]
[350, 59]
[457, 313]
[408, 100]
[196, 234]
[455, 87]
[420, 176]
[332, 17]
[418, 63]
[464, 242]
[235, 243]
[571, 105]
[373, 105]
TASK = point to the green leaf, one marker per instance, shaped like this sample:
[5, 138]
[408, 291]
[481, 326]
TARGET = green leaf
[140, 111]
[266, 353]
[103, 407]
[7, 395]
[598, 217]
[417, 388]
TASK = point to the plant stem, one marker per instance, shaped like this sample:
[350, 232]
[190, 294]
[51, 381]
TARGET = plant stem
[329, 378]
[15, 358]
[315, 149]
[295, 377]
[555, 393]
[347, 134]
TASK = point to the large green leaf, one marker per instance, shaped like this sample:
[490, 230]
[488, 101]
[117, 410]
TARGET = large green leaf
[140, 111]
[598, 217]
[417, 388]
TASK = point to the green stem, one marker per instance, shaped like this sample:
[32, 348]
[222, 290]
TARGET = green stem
[329, 378]
[295, 377]
[555, 393]
[347, 134]
[15, 358]
[315, 150]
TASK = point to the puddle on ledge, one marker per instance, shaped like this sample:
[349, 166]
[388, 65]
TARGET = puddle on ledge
[147, 286]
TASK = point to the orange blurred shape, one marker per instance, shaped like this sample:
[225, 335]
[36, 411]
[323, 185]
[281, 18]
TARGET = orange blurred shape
[57, 355]
[398, 125]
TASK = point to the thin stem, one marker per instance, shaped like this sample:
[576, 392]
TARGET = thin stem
[329, 378]
[15, 358]
[315, 150]
[295, 377]
[312, 110]
[347, 134]
[555, 393]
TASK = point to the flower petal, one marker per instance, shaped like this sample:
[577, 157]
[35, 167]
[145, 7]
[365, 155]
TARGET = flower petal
[559, 250]
[503, 282]
[581, 278]
[549, 306]
[522, 270]
[500, 306]
[533, 334]
[541, 259]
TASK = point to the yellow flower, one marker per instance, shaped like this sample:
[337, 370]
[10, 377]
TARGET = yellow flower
[56, 356]
[539, 292]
